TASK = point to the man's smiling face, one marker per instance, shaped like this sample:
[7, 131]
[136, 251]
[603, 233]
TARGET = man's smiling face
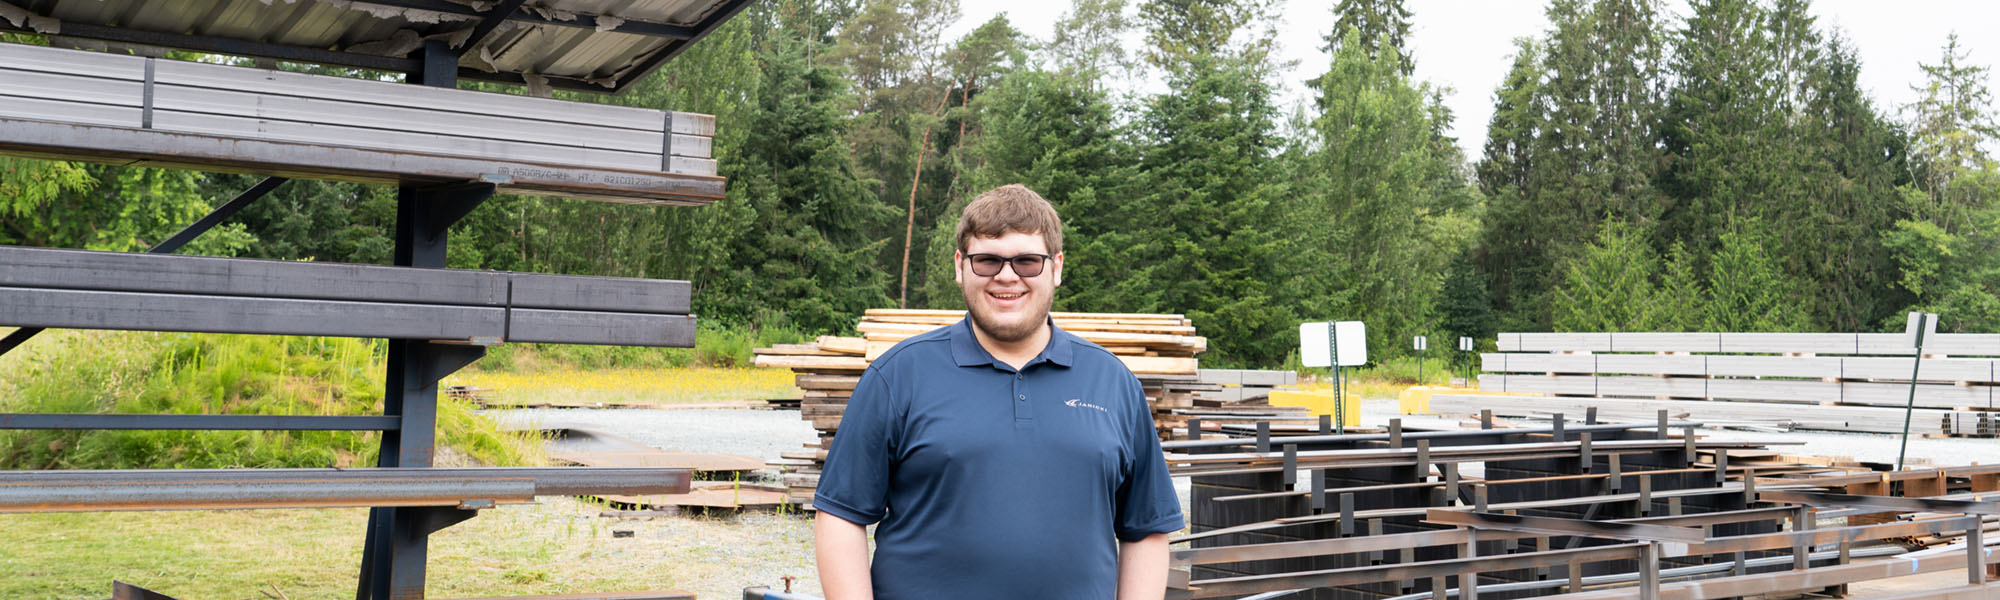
[1006, 306]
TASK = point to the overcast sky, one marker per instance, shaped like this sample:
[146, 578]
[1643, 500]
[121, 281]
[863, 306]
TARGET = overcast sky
[1465, 44]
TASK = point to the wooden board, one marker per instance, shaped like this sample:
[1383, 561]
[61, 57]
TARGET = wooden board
[814, 363]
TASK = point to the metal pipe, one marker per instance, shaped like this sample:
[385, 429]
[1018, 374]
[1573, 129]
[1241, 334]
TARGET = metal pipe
[1409, 435]
[1674, 573]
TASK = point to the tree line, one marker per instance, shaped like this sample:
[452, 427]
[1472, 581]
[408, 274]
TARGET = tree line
[1641, 173]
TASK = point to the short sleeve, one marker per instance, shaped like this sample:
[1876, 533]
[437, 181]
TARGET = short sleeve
[854, 484]
[1147, 503]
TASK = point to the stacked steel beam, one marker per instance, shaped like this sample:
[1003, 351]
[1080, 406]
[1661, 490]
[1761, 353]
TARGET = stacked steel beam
[1159, 349]
[1527, 512]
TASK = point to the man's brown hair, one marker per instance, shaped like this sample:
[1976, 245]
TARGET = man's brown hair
[1010, 209]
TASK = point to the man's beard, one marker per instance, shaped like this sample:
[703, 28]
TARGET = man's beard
[1036, 316]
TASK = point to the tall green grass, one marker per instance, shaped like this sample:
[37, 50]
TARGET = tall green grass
[177, 373]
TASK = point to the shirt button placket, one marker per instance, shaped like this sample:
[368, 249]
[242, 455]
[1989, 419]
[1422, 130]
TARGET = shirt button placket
[1021, 411]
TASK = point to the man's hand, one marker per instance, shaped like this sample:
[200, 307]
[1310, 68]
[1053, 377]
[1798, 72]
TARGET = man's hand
[842, 549]
[1142, 568]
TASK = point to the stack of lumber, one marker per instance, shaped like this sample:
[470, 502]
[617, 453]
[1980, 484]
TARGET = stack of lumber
[1857, 382]
[1159, 349]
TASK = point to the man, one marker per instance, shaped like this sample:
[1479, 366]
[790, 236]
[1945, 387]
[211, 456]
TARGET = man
[1003, 457]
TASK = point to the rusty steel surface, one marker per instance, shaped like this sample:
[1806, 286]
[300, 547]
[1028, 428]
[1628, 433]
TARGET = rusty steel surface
[1768, 583]
[1554, 526]
[73, 491]
[1890, 503]
[1831, 535]
[1232, 586]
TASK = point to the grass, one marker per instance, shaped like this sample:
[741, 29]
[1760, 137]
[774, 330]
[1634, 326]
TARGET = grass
[179, 373]
[659, 386]
[559, 546]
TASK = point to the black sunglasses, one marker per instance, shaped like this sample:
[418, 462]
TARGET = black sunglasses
[1025, 265]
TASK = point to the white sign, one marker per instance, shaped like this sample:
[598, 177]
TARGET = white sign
[1465, 344]
[1421, 343]
[1925, 321]
[1314, 348]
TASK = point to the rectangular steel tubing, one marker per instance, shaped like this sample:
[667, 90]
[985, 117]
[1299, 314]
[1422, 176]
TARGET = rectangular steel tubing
[1445, 451]
[1782, 581]
[348, 492]
[1321, 547]
[1554, 526]
[614, 294]
[1882, 502]
[163, 149]
[1409, 436]
[209, 276]
[161, 273]
[600, 328]
[1231, 586]
[75, 309]
[199, 422]
[547, 481]
[1832, 535]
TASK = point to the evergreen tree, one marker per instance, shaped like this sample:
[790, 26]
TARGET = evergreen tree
[807, 252]
[1380, 22]
[1607, 285]
[1747, 289]
[1202, 229]
[1086, 40]
[1374, 237]
[1591, 155]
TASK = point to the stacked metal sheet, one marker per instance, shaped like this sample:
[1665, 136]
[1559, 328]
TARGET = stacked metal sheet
[78, 289]
[1855, 381]
[102, 106]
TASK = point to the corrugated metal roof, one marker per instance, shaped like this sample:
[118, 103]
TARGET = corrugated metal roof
[601, 45]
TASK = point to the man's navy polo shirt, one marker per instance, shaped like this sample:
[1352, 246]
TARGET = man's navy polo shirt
[994, 483]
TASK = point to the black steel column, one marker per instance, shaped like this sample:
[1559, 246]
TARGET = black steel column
[397, 546]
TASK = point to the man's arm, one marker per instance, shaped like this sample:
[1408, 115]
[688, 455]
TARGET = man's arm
[1142, 569]
[842, 549]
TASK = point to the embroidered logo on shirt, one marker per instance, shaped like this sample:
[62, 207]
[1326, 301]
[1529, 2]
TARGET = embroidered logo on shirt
[1079, 403]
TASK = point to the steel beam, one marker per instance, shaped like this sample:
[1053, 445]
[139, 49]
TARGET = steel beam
[547, 481]
[198, 422]
[1616, 530]
[1884, 503]
[1233, 586]
[155, 273]
[180, 238]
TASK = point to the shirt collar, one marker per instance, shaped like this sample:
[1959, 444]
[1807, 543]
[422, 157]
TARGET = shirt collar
[966, 351]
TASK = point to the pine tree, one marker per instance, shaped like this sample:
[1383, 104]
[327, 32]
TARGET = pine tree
[1607, 285]
[1375, 237]
[1202, 230]
[812, 237]
[1380, 22]
[1747, 289]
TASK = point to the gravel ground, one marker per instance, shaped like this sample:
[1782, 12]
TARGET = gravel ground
[756, 433]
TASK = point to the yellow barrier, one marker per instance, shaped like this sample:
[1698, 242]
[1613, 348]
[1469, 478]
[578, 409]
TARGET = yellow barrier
[1321, 403]
[1417, 399]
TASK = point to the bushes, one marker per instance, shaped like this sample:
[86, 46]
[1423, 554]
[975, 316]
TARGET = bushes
[174, 373]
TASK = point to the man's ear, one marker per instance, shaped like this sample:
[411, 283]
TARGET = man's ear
[957, 261]
[1058, 270]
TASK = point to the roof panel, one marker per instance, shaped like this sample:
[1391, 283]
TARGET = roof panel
[544, 38]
